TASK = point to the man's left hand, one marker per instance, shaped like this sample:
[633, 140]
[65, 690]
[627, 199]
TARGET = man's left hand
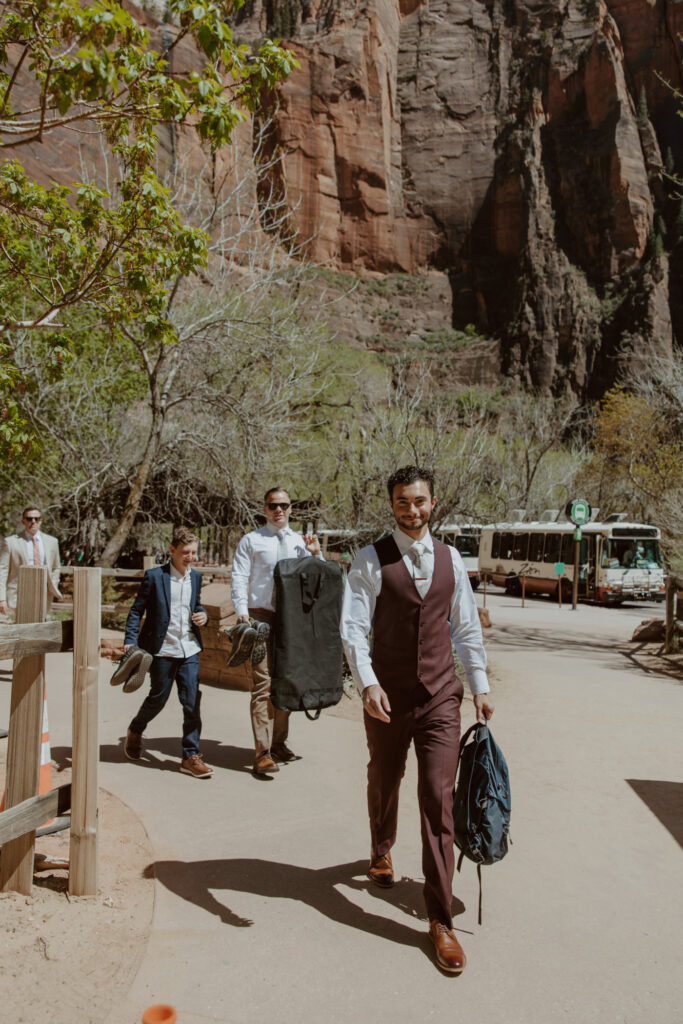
[312, 543]
[200, 618]
[484, 706]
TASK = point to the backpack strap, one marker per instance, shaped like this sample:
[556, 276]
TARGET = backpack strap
[310, 717]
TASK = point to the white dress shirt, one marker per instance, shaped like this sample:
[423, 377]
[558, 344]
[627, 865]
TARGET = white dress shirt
[252, 584]
[29, 543]
[180, 641]
[363, 586]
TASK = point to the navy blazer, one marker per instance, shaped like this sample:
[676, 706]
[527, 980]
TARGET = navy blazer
[154, 601]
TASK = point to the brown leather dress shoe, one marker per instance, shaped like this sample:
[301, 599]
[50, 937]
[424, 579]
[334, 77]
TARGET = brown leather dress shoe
[449, 953]
[381, 870]
[264, 764]
[132, 748]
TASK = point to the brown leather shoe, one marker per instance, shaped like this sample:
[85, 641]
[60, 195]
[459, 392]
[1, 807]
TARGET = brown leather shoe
[264, 764]
[449, 953]
[281, 752]
[381, 870]
[132, 748]
[194, 765]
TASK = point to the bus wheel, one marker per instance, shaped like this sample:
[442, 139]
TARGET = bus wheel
[566, 590]
[513, 587]
[474, 582]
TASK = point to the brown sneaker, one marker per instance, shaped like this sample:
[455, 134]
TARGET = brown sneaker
[195, 766]
[381, 870]
[281, 752]
[449, 952]
[264, 764]
[132, 748]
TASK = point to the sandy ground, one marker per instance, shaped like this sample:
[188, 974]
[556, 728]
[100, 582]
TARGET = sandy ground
[260, 908]
[64, 958]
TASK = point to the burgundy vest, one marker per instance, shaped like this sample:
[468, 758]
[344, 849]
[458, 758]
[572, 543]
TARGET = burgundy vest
[411, 634]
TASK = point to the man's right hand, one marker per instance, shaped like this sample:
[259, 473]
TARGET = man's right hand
[242, 618]
[376, 702]
[3, 608]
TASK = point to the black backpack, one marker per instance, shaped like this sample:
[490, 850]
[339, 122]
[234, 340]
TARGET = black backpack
[307, 648]
[481, 802]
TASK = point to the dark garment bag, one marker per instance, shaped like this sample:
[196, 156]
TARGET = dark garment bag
[307, 648]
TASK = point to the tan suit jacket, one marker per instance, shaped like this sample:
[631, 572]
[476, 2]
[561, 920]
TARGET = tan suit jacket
[14, 554]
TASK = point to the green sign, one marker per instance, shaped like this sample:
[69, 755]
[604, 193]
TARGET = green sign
[578, 511]
[559, 568]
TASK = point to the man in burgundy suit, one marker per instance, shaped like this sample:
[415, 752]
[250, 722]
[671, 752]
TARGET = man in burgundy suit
[413, 592]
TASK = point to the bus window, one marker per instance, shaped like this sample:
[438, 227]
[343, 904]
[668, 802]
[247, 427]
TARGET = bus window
[521, 546]
[506, 545]
[632, 553]
[567, 553]
[467, 544]
[536, 547]
[495, 545]
[553, 546]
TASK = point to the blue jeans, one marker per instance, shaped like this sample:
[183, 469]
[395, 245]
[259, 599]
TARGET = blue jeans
[164, 673]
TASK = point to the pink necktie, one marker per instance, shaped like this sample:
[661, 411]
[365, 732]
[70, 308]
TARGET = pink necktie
[36, 552]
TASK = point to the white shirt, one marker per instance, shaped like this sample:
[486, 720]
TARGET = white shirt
[252, 584]
[363, 586]
[179, 641]
[41, 547]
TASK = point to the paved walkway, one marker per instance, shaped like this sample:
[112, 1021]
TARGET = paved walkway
[263, 912]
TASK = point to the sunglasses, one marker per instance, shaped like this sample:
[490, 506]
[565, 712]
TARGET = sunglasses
[272, 505]
[33, 519]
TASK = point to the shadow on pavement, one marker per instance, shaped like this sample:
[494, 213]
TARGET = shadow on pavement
[665, 800]
[216, 754]
[193, 881]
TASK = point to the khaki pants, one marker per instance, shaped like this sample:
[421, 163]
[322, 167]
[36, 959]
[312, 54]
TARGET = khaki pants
[269, 725]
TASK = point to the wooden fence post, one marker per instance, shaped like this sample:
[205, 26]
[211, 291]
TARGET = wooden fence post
[26, 717]
[669, 620]
[85, 755]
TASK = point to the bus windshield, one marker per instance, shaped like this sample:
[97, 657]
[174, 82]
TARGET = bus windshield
[467, 544]
[632, 553]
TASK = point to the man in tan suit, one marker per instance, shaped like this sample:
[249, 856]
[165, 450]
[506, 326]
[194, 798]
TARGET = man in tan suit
[27, 546]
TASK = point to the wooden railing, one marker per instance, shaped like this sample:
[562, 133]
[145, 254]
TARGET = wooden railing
[27, 641]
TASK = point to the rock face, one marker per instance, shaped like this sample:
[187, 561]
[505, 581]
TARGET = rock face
[514, 144]
[516, 147]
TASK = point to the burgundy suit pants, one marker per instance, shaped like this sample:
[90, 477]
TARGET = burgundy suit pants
[433, 725]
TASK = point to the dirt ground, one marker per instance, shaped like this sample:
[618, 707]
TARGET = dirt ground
[65, 958]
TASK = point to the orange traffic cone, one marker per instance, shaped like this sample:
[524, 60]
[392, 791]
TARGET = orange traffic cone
[159, 1015]
[45, 772]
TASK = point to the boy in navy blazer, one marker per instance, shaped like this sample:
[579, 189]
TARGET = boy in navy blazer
[169, 599]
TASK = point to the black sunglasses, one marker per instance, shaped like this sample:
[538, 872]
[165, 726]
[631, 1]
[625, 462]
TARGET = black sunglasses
[33, 519]
[272, 505]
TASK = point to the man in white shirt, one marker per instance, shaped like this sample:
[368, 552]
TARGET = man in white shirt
[173, 615]
[413, 592]
[252, 592]
[28, 546]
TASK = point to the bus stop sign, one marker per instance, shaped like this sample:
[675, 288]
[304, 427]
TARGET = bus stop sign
[578, 511]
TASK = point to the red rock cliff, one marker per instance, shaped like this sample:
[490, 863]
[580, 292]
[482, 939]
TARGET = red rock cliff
[516, 145]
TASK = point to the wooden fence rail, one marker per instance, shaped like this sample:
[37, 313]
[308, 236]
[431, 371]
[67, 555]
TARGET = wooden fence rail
[27, 641]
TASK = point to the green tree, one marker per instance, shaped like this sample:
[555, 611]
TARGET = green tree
[111, 251]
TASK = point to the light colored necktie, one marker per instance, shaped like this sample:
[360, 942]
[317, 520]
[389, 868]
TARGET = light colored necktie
[416, 553]
[36, 552]
[281, 545]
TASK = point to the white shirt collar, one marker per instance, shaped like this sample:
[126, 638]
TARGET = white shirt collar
[31, 536]
[178, 575]
[274, 530]
[405, 543]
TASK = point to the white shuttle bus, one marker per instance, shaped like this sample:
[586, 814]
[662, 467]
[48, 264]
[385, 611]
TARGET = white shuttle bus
[466, 539]
[619, 561]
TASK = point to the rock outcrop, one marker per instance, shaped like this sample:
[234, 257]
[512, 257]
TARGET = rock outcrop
[515, 145]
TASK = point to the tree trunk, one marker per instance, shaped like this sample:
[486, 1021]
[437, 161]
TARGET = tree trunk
[120, 535]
